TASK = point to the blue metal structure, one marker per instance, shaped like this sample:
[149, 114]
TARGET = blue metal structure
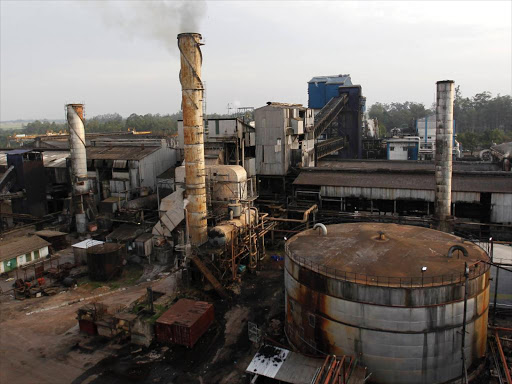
[321, 89]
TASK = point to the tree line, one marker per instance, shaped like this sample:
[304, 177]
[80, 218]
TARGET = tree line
[112, 122]
[481, 120]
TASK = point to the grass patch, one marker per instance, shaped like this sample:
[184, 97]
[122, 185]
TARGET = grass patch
[131, 273]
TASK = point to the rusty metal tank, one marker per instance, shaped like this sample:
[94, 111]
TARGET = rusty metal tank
[105, 261]
[392, 295]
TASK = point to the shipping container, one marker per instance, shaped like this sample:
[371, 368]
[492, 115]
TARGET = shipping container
[185, 322]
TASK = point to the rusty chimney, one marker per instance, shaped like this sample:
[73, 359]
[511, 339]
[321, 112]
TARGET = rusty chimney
[193, 129]
[75, 117]
[443, 159]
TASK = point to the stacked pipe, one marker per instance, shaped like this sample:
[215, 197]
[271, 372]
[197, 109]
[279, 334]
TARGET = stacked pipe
[75, 117]
[193, 130]
[443, 158]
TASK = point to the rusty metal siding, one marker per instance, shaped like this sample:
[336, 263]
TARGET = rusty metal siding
[185, 322]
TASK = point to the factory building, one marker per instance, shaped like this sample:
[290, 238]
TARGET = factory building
[349, 122]
[25, 180]
[229, 141]
[403, 148]
[119, 169]
[425, 128]
[282, 139]
[19, 251]
[402, 188]
[321, 89]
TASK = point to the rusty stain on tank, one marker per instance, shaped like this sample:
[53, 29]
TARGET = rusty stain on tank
[331, 312]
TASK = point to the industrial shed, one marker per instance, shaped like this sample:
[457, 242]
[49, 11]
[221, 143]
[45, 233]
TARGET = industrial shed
[20, 251]
[484, 191]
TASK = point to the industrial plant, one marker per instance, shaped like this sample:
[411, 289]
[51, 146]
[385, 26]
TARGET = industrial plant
[284, 244]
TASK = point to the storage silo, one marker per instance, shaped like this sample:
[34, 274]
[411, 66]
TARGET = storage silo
[392, 295]
[105, 261]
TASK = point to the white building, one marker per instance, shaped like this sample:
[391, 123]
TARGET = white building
[426, 130]
[403, 148]
[22, 250]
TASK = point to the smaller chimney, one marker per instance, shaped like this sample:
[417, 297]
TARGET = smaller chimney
[443, 158]
[75, 117]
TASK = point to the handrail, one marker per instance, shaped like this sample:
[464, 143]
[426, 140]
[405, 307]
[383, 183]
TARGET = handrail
[475, 270]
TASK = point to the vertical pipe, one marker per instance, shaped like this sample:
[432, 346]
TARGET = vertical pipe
[464, 375]
[193, 132]
[75, 118]
[443, 158]
[495, 295]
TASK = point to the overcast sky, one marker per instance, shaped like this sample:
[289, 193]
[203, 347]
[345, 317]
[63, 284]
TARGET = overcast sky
[122, 56]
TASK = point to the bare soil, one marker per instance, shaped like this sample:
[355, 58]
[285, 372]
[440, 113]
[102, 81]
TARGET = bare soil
[46, 346]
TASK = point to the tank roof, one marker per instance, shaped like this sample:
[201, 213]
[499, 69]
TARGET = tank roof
[355, 248]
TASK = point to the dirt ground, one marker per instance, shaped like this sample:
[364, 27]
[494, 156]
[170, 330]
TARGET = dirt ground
[40, 340]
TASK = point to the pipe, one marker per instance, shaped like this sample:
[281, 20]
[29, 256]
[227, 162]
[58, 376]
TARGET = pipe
[193, 133]
[75, 119]
[443, 157]
[322, 228]
[502, 357]
[457, 247]
[305, 217]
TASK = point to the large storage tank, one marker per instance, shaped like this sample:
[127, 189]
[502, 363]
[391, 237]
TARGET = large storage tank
[105, 261]
[360, 290]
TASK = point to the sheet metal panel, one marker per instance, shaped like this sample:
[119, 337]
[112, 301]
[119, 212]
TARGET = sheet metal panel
[268, 365]
[185, 322]
[395, 180]
[501, 207]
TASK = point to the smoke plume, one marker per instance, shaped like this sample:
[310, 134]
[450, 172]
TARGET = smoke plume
[156, 20]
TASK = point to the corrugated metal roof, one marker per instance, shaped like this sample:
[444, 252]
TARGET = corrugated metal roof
[125, 232]
[120, 153]
[50, 233]
[185, 312]
[20, 245]
[87, 244]
[460, 183]
[18, 151]
[332, 79]
[404, 165]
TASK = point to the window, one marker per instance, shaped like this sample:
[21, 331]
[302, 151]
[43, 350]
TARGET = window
[391, 148]
[278, 141]
[217, 127]
[28, 257]
[405, 148]
[36, 254]
[312, 320]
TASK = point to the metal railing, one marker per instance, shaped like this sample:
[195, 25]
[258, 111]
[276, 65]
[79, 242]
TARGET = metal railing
[475, 269]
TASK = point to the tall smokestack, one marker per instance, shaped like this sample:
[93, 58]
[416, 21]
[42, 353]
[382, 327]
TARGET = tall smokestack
[443, 159]
[193, 128]
[75, 117]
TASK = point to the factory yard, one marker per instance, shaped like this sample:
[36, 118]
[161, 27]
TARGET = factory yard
[285, 243]
[41, 341]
